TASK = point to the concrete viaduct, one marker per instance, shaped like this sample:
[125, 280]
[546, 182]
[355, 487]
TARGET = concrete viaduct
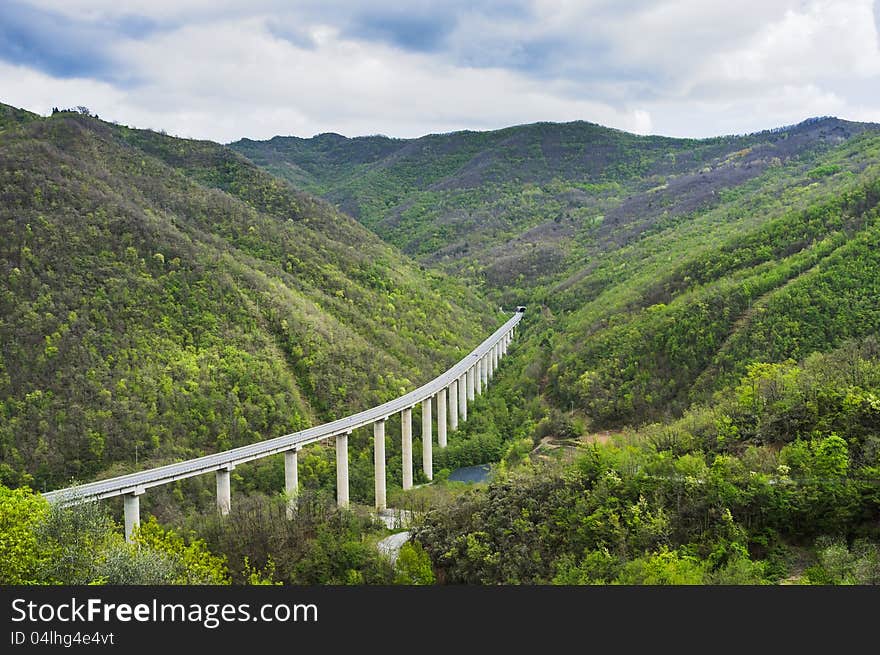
[450, 393]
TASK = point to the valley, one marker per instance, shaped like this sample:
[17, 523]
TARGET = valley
[707, 307]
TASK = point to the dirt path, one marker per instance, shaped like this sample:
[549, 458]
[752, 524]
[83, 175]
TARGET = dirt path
[391, 545]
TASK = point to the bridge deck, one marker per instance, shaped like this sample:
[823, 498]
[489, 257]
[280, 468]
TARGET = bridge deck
[138, 482]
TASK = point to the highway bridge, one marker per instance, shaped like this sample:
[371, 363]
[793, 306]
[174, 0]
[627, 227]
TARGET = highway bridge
[449, 393]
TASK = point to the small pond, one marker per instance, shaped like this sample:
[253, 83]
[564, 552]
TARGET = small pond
[472, 474]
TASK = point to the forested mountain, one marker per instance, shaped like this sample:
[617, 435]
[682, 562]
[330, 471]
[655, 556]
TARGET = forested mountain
[777, 480]
[665, 266]
[780, 267]
[526, 204]
[713, 300]
[12, 116]
[163, 298]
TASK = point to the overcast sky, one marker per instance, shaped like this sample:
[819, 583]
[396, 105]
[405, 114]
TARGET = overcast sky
[226, 69]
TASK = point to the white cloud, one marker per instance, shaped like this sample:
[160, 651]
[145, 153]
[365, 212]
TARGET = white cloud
[821, 42]
[157, 9]
[30, 89]
[748, 112]
[233, 79]
[216, 69]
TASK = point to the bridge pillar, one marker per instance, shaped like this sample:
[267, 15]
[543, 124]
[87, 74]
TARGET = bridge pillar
[379, 463]
[441, 418]
[427, 439]
[479, 376]
[406, 447]
[494, 359]
[462, 397]
[453, 405]
[291, 479]
[224, 493]
[342, 469]
[132, 507]
[471, 378]
[484, 371]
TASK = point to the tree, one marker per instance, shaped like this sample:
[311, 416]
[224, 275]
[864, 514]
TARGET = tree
[22, 554]
[413, 566]
[665, 567]
[192, 562]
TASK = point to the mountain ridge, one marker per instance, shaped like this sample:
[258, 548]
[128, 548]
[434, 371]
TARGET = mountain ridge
[470, 202]
[164, 298]
[623, 239]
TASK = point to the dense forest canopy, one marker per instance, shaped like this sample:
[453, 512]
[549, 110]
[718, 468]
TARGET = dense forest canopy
[517, 208]
[164, 298]
[663, 266]
[693, 397]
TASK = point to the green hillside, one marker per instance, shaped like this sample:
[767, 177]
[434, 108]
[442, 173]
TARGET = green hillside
[783, 266]
[712, 302]
[664, 266]
[776, 482]
[163, 298]
[524, 205]
[13, 116]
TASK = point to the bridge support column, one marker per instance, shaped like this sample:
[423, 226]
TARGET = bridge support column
[342, 469]
[441, 418]
[494, 359]
[427, 439]
[484, 370]
[471, 379]
[291, 479]
[379, 463]
[478, 376]
[224, 493]
[132, 507]
[453, 405]
[462, 397]
[406, 447]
